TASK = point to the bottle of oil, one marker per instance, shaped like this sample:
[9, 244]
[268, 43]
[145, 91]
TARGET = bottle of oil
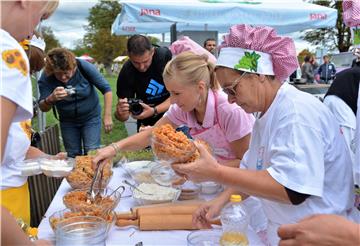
[235, 221]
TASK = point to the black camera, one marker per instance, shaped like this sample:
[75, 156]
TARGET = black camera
[70, 90]
[134, 106]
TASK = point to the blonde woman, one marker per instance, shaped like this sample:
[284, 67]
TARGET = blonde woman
[18, 20]
[197, 102]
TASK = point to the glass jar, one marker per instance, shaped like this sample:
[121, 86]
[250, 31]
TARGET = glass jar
[235, 221]
[82, 230]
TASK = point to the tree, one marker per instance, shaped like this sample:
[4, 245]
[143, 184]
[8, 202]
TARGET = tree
[50, 39]
[103, 46]
[332, 38]
[80, 48]
[302, 55]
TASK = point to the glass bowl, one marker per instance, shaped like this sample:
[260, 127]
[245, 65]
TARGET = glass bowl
[140, 171]
[80, 178]
[158, 194]
[204, 238]
[65, 214]
[164, 175]
[82, 230]
[77, 200]
[172, 151]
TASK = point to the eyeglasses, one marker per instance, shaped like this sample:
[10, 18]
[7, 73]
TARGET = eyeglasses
[231, 89]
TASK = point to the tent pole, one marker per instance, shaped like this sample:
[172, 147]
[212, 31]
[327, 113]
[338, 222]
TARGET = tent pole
[173, 33]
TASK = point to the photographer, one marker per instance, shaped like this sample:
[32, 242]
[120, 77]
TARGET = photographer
[140, 86]
[69, 85]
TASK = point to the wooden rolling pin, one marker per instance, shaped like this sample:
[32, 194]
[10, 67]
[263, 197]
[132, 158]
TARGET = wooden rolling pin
[172, 209]
[162, 222]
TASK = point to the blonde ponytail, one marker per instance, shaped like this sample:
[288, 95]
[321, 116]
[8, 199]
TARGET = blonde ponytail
[190, 68]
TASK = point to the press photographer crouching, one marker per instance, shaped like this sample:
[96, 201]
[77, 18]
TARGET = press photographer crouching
[68, 86]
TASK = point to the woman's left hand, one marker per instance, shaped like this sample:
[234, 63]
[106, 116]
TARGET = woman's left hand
[203, 169]
[108, 123]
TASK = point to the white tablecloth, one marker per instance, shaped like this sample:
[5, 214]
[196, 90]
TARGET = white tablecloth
[126, 236]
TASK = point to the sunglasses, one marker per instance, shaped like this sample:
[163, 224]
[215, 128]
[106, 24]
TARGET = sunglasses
[231, 89]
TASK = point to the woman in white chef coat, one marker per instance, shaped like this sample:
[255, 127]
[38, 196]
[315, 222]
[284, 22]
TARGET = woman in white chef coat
[297, 163]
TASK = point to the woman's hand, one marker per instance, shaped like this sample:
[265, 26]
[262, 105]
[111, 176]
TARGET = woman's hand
[108, 123]
[58, 94]
[103, 154]
[320, 230]
[203, 169]
[207, 212]
[146, 113]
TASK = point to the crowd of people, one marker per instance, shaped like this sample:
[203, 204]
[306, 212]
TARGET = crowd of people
[298, 158]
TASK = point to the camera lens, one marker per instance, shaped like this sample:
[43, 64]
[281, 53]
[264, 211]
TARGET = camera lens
[136, 108]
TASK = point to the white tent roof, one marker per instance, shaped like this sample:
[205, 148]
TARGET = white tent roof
[157, 16]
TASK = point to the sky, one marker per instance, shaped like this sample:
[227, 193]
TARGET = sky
[70, 18]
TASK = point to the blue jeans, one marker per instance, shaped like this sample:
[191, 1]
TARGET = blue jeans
[79, 138]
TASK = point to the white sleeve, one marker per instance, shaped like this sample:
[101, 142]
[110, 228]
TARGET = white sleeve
[15, 79]
[357, 143]
[297, 159]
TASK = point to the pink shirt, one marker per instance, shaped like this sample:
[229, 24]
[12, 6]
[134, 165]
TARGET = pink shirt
[233, 120]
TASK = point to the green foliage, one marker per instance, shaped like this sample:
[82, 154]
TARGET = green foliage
[139, 155]
[332, 38]
[50, 39]
[103, 46]
[80, 48]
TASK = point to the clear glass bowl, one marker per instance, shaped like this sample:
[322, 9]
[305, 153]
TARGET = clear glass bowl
[82, 230]
[77, 200]
[204, 238]
[140, 171]
[79, 179]
[165, 150]
[164, 175]
[65, 214]
[171, 194]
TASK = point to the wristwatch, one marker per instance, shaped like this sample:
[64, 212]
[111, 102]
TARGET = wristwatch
[156, 113]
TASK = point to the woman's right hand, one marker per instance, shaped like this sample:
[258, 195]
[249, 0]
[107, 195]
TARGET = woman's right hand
[103, 154]
[58, 94]
[206, 213]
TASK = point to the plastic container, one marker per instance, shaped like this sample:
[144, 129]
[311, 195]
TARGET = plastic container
[210, 187]
[204, 238]
[29, 167]
[77, 200]
[85, 230]
[189, 191]
[57, 168]
[235, 221]
[65, 214]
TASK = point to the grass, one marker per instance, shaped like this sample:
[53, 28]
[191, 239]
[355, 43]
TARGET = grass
[118, 132]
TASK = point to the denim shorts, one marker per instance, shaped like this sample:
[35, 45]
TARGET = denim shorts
[79, 138]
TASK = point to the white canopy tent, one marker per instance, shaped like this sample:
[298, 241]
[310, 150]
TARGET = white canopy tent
[141, 16]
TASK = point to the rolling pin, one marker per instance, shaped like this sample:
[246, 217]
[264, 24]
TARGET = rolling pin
[162, 222]
[168, 208]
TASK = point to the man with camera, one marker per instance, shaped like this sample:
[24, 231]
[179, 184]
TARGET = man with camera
[140, 86]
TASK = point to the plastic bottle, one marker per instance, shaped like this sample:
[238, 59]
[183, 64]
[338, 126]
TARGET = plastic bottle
[235, 221]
